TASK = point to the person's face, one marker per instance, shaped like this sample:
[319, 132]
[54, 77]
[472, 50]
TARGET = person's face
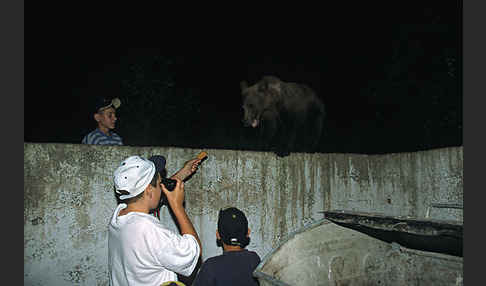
[106, 119]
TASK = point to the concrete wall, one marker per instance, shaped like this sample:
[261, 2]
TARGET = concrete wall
[68, 197]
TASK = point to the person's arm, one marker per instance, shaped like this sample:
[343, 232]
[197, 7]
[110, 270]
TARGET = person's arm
[189, 168]
[176, 200]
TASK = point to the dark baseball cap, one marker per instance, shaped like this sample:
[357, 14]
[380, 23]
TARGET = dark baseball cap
[159, 162]
[233, 227]
[102, 103]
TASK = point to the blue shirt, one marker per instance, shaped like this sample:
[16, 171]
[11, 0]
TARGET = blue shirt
[96, 137]
[233, 268]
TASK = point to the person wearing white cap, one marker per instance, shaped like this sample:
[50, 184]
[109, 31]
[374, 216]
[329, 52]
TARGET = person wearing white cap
[105, 117]
[141, 250]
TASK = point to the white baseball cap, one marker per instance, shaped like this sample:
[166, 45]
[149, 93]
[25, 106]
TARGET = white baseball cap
[133, 175]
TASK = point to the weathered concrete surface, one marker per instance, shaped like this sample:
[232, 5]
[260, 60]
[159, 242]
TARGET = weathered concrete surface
[68, 197]
[325, 253]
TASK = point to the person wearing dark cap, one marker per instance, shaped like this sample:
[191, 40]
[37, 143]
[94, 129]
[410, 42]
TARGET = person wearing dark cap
[141, 250]
[105, 117]
[236, 265]
[159, 162]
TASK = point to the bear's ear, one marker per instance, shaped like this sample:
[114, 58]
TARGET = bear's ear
[243, 85]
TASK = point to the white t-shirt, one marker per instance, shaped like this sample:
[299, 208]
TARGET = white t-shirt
[142, 252]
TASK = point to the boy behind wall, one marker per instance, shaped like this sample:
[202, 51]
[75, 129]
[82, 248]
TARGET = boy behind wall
[104, 113]
[236, 265]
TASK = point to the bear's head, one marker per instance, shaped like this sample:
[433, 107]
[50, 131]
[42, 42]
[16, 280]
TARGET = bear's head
[258, 98]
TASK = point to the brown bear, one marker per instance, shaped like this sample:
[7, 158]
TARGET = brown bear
[290, 116]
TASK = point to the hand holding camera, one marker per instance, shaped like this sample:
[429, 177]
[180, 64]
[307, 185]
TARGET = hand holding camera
[170, 184]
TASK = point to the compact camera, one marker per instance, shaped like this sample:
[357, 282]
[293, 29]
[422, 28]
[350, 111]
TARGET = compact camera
[169, 184]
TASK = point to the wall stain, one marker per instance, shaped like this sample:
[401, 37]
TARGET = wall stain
[359, 172]
[296, 185]
[326, 180]
[263, 183]
[342, 162]
[38, 250]
[311, 190]
[37, 220]
[80, 272]
[280, 210]
[408, 182]
[301, 193]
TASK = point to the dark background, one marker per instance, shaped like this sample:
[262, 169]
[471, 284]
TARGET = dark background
[391, 80]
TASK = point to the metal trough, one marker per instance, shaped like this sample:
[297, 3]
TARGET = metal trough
[325, 253]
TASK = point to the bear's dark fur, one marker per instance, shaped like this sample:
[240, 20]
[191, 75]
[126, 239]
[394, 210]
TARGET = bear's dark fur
[290, 116]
